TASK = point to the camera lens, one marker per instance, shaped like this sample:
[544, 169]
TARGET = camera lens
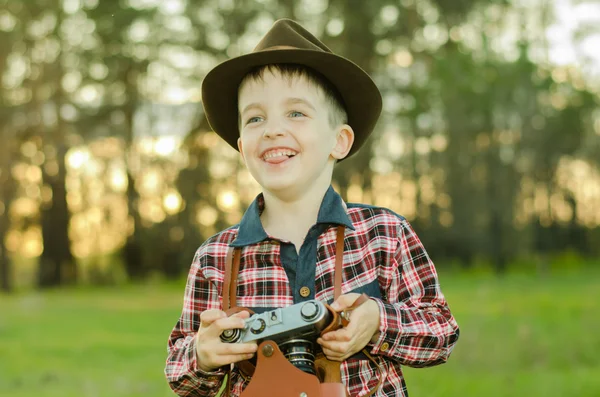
[300, 353]
[231, 335]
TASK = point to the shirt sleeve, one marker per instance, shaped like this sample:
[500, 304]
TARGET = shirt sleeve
[183, 374]
[416, 326]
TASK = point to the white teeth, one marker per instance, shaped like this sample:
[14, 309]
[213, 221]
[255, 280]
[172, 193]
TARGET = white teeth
[277, 153]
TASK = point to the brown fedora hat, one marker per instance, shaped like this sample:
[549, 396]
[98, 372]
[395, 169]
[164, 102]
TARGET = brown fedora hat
[288, 42]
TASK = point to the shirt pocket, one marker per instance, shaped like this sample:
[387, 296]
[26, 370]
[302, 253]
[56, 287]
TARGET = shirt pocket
[263, 286]
[361, 275]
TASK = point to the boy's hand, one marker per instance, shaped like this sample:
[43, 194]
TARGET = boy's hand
[211, 352]
[364, 325]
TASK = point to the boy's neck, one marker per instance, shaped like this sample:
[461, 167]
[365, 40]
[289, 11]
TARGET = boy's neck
[290, 218]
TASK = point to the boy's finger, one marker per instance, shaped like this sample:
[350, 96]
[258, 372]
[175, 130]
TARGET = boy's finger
[243, 314]
[232, 322]
[237, 348]
[335, 347]
[344, 301]
[234, 358]
[207, 317]
[332, 355]
[342, 335]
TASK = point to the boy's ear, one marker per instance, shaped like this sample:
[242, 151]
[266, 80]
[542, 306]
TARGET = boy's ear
[239, 144]
[343, 142]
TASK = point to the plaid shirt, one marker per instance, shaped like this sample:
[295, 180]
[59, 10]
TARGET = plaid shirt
[383, 257]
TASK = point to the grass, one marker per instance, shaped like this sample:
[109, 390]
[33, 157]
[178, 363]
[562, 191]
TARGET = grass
[87, 342]
[521, 335]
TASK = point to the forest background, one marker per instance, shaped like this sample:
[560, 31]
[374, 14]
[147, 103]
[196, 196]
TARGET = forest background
[110, 178]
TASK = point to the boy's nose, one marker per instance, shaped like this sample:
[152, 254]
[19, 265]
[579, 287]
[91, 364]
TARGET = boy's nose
[272, 131]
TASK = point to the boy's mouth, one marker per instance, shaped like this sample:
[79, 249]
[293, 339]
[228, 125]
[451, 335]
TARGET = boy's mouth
[276, 156]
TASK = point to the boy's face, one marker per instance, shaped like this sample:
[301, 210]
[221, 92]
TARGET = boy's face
[286, 138]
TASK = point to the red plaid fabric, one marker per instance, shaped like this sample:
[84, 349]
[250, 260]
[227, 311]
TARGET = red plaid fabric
[383, 256]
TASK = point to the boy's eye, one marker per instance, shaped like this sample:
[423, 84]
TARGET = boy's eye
[254, 119]
[296, 114]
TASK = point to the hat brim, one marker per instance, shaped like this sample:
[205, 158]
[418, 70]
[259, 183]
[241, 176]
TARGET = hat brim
[358, 91]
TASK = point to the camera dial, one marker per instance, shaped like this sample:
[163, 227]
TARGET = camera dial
[258, 326]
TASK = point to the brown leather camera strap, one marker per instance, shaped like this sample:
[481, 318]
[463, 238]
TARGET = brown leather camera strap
[339, 261]
[234, 277]
[230, 281]
[329, 370]
[227, 279]
[229, 299]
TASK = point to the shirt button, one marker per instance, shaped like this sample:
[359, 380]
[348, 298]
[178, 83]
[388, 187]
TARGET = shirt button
[385, 347]
[304, 292]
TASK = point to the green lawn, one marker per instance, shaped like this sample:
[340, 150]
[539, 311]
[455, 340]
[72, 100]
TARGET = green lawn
[520, 336]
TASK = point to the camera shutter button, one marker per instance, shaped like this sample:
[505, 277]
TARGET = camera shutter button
[309, 311]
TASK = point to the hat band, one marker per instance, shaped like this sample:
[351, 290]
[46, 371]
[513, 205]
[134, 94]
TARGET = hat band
[280, 47]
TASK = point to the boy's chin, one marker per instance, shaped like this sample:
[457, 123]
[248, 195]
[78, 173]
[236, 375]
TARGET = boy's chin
[282, 187]
[278, 186]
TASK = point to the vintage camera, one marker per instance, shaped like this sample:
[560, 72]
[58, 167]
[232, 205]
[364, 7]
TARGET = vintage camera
[294, 328]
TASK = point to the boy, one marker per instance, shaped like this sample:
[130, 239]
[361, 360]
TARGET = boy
[293, 109]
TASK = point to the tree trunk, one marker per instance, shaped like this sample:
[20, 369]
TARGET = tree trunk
[57, 265]
[6, 195]
[357, 43]
[132, 251]
[5, 268]
[8, 142]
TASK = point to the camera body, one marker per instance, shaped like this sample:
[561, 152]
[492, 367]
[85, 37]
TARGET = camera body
[303, 320]
[294, 328]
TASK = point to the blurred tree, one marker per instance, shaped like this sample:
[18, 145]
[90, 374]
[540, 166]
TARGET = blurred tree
[57, 265]
[503, 126]
[357, 42]
[40, 24]
[425, 79]
[220, 28]
[126, 44]
[7, 194]
[7, 183]
[193, 183]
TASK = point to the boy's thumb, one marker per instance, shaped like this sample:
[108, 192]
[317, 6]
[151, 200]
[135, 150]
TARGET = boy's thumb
[342, 303]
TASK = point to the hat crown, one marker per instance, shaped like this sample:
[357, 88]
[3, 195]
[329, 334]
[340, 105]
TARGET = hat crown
[290, 34]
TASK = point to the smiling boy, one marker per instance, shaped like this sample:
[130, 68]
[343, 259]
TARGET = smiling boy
[293, 109]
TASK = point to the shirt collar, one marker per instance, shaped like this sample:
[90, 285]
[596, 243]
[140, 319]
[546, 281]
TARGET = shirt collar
[251, 231]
